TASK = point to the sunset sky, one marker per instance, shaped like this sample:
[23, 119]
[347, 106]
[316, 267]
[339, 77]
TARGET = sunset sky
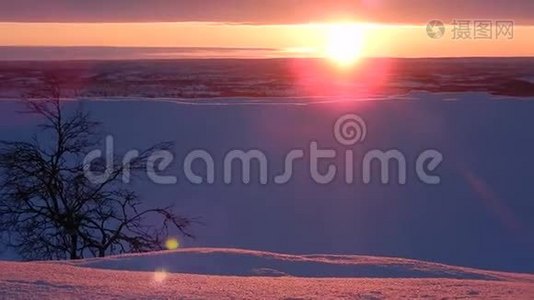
[267, 28]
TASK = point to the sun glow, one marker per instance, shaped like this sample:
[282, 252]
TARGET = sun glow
[344, 43]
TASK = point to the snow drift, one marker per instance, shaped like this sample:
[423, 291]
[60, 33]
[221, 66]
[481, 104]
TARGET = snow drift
[238, 262]
[152, 276]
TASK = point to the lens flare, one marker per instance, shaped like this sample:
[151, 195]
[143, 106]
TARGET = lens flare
[172, 244]
[160, 275]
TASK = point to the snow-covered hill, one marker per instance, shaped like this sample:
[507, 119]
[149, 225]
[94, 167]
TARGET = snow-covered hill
[160, 275]
[238, 262]
[480, 215]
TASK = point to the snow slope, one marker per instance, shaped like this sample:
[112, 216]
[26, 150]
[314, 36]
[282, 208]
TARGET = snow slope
[152, 276]
[480, 215]
[238, 262]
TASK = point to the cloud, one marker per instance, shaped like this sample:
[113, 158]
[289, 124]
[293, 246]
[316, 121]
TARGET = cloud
[262, 11]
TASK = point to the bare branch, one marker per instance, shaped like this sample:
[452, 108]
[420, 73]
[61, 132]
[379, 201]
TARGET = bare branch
[48, 207]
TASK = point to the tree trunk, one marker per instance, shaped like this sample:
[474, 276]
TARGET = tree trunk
[73, 246]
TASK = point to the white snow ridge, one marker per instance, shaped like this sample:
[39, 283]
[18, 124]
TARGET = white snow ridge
[209, 273]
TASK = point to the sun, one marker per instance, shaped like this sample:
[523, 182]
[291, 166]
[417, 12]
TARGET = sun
[344, 43]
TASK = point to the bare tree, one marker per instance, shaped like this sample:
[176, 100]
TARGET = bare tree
[48, 207]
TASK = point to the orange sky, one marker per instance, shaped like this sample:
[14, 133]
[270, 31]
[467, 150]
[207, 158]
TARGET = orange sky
[291, 40]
